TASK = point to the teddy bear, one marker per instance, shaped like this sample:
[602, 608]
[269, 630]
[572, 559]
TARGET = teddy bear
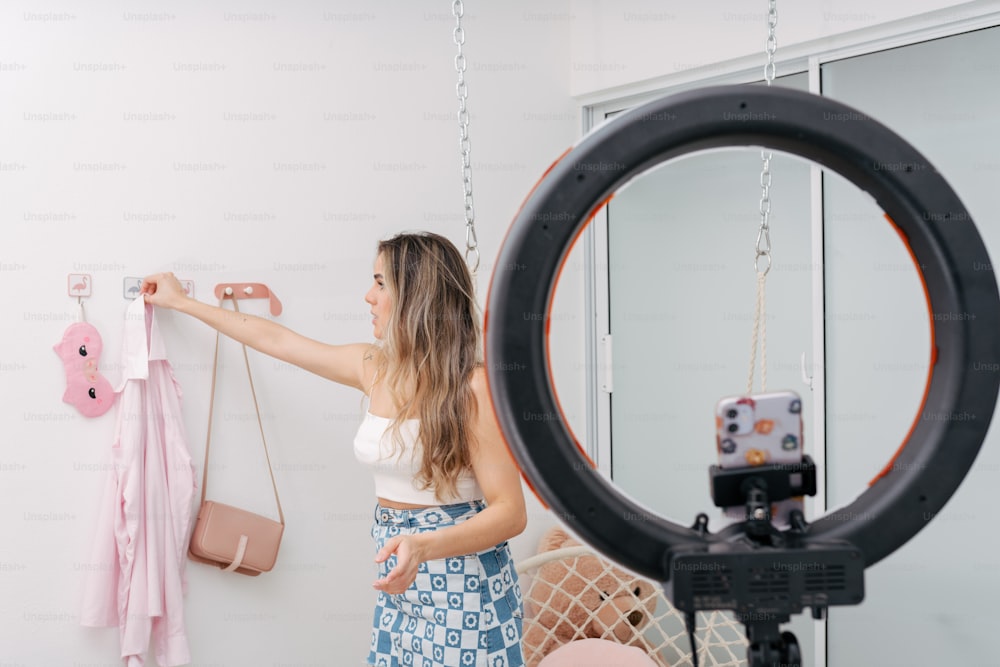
[581, 597]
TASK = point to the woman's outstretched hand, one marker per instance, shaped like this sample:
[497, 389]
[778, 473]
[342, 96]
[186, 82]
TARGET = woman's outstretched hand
[408, 559]
[162, 289]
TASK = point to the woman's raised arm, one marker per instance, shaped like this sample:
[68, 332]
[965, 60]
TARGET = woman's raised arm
[344, 364]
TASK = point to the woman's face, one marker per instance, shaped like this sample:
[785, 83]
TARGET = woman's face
[378, 298]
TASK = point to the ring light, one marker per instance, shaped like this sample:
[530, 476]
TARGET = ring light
[949, 255]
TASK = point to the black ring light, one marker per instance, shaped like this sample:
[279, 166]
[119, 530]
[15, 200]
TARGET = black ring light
[947, 249]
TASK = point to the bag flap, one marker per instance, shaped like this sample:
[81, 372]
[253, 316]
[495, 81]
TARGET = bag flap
[220, 527]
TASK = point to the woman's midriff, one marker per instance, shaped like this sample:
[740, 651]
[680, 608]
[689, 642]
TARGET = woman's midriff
[392, 504]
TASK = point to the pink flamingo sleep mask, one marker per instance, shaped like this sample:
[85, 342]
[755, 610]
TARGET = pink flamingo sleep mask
[86, 389]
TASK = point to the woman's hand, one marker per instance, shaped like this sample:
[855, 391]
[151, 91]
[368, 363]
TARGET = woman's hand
[163, 289]
[408, 552]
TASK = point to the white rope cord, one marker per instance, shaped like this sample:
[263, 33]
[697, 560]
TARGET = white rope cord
[562, 604]
[759, 335]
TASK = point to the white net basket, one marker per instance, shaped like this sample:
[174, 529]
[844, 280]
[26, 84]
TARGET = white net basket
[574, 593]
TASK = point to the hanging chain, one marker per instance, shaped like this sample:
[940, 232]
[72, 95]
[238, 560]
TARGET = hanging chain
[762, 259]
[462, 90]
[771, 45]
[764, 233]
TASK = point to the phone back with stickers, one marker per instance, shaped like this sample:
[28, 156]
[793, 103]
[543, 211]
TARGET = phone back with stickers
[756, 430]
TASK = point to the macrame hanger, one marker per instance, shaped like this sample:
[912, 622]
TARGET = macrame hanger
[762, 258]
[462, 91]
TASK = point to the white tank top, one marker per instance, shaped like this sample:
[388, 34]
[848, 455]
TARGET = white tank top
[395, 471]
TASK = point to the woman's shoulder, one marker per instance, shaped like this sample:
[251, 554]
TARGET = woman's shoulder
[370, 352]
[480, 385]
[371, 361]
[478, 380]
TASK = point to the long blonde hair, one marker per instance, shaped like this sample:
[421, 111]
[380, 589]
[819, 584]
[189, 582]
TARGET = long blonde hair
[430, 349]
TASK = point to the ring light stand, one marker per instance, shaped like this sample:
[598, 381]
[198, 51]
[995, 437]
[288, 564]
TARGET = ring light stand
[762, 575]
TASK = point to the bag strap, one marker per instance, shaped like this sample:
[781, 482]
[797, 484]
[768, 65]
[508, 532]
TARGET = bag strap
[260, 423]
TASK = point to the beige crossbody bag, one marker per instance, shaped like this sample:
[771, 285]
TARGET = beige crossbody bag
[234, 539]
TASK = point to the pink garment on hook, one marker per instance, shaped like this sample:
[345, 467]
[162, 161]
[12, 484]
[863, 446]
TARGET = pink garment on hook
[86, 389]
[136, 576]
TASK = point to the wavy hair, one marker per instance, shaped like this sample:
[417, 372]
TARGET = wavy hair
[430, 349]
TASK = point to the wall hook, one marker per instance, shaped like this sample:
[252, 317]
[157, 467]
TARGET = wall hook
[806, 377]
[249, 291]
[79, 285]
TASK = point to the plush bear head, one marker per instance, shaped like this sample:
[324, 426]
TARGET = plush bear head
[580, 596]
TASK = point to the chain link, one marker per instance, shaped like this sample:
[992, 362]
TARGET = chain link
[462, 91]
[762, 260]
[771, 45]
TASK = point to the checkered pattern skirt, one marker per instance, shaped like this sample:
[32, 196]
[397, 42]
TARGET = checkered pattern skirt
[460, 612]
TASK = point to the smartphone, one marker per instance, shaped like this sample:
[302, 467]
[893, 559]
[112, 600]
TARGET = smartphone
[756, 430]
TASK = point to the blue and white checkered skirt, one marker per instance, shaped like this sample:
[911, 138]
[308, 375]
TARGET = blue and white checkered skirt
[459, 612]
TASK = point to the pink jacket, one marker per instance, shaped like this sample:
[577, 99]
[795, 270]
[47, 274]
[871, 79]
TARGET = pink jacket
[136, 577]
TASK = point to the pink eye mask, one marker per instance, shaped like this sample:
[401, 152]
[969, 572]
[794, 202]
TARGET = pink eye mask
[86, 389]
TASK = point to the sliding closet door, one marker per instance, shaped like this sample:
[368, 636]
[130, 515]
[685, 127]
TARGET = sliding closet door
[933, 601]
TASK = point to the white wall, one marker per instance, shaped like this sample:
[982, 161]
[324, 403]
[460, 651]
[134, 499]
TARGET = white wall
[268, 141]
[274, 142]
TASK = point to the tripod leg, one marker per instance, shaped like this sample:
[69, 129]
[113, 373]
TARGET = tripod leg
[791, 654]
[769, 647]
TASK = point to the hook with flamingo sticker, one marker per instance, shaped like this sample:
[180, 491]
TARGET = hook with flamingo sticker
[80, 349]
[131, 286]
[79, 285]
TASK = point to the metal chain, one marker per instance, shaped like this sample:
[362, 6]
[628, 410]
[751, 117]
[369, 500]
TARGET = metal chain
[762, 258]
[763, 247]
[462, 90]
[771, 45]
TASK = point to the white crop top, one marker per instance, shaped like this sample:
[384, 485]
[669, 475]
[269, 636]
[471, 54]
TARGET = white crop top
[395, 472]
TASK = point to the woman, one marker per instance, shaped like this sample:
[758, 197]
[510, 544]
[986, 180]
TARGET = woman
[449, 494]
